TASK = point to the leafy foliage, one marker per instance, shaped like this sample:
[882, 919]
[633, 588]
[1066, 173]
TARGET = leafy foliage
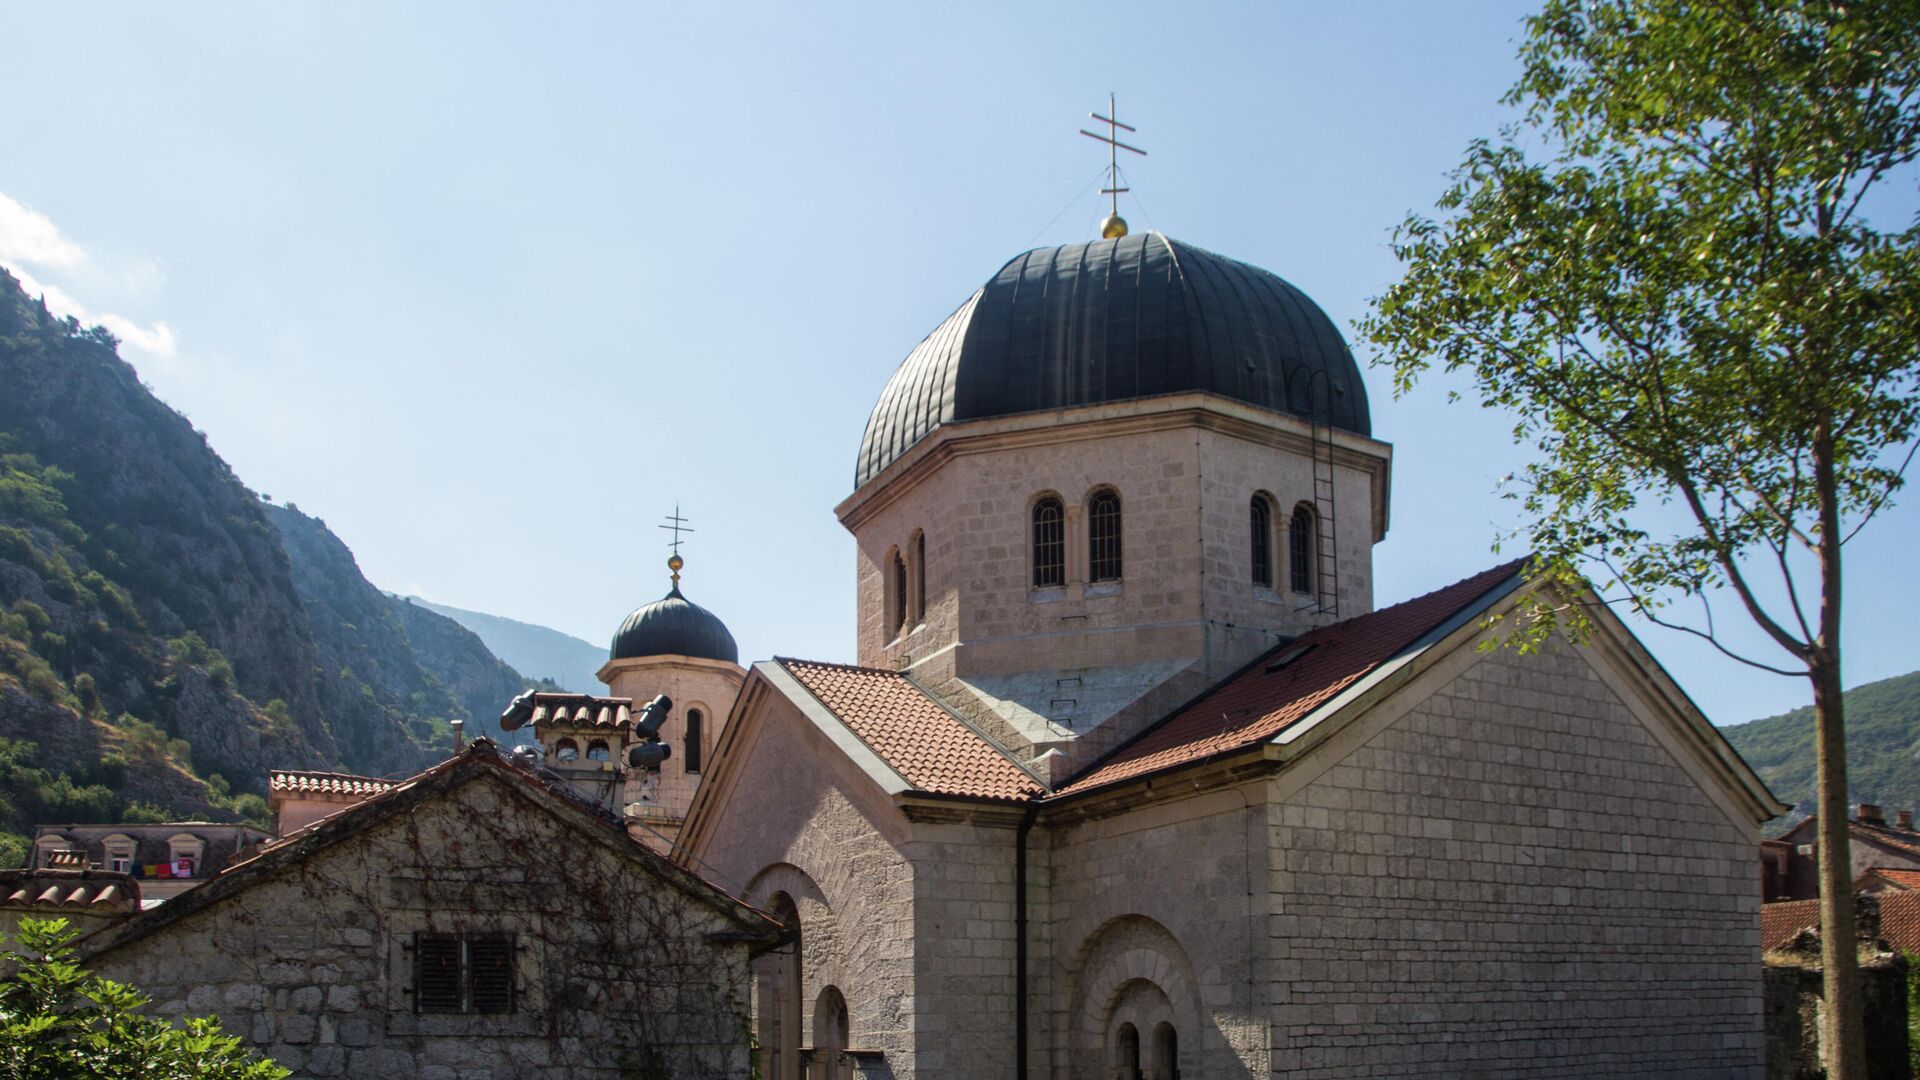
[1685, 304]
[1883, 742]
[58, 1020]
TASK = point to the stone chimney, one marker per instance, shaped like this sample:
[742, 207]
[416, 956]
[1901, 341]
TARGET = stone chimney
[1869, 814]
[1903, 819]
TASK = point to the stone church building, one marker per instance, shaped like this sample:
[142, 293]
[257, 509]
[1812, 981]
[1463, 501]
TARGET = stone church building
[1134, 780]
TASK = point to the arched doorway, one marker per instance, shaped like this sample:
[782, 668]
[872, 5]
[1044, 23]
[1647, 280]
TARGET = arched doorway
[777, 994]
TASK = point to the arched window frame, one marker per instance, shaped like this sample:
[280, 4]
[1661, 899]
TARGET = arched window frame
[1126, 1052]
[919, 548]
[566, 750]
[1260, 540]
[1105, 530]
[897, 591]
[1302, 534]
[1166, 1051]
[1047, 541]
[598, 750]
[694, 739]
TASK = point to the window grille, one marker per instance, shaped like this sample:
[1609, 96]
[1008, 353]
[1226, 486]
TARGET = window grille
[463, 973]
[1300, 549]
[694, 735]
[899, 594]
[1103, 537]
[1049, 544]
[920, 576]
[1262, 517]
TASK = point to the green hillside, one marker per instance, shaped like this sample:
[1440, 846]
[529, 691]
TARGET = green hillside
[1883, 743]
[165, 636]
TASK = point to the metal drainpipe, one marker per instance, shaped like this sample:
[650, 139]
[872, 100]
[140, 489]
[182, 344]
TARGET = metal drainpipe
[1020, 943]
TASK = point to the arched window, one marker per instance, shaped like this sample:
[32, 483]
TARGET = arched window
[829, 1034]
[597, 750]
[920, 577]
[695, 722]
[1126, 1053]
[1300, 553]
[1166, 1051]
[1049, 543]
[1260, 512]
[1103, 536]
[785, 1043]
[899, 595]
[566, 750]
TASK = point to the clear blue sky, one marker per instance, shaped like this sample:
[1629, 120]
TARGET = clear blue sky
[490, 287]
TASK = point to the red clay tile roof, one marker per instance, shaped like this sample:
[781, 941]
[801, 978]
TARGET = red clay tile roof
[924, 743]
[92, 890]
[1780, 921]
[569, 710]
[1904, 840]
[1899, 920]
[1259, 703]
[324, 784]
[1905, 878]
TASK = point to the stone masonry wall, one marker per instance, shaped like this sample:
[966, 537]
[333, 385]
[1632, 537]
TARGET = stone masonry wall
[964, 957]
[1514, 879]
[1170, 894]
[616, 976]
[800, 820]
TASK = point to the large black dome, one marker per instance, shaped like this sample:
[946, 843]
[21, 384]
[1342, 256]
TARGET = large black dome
[674, 626]
[1114, 320]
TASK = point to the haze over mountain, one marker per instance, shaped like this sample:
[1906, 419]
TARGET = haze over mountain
[538, 652]
[1883, 749]
[165, 636]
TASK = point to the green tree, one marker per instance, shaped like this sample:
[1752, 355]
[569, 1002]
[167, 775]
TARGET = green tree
[59, 1020]
[1667, 270]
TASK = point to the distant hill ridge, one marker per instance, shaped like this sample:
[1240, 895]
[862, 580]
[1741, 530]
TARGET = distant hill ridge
[538, 652]
[1883, 748]
[165, 636]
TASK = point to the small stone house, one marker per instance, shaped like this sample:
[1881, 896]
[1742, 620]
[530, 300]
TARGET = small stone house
[476, 921]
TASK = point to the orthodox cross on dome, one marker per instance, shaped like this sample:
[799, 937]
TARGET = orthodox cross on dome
[676, 525]
[1115, 226]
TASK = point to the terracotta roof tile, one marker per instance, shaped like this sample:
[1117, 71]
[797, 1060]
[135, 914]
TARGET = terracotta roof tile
[916, 735]
[1286, 684]
[1899, 920]
[1905, 878]
[1905, 840]
[569, 711]
[326, 784]
[68, 889]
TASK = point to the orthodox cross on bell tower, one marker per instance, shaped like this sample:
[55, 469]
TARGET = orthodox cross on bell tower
[676, 525]
[1115, 226]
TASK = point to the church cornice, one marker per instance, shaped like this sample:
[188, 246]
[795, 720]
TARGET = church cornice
[1208, 412]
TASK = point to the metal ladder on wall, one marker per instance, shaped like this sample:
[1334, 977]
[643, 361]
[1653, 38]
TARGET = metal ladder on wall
[1326, 549]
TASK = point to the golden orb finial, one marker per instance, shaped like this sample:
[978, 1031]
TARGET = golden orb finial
[1113, 227]
[674, 563]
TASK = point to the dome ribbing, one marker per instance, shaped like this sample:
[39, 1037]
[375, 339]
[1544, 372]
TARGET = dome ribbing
[674, 626]
[1113, 320]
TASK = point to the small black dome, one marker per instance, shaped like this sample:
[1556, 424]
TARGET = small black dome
[674, 626]
[1114, 320]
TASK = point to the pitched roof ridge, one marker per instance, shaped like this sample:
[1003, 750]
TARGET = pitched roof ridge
[481, 754]
[1330, 634]
[786, 661]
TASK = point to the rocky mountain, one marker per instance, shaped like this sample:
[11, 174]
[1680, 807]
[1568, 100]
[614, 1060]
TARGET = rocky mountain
[165, 636]
[1883, 748]
[536, 651]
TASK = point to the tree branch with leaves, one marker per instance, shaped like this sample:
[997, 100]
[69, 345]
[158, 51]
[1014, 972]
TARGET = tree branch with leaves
[1677, 272]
